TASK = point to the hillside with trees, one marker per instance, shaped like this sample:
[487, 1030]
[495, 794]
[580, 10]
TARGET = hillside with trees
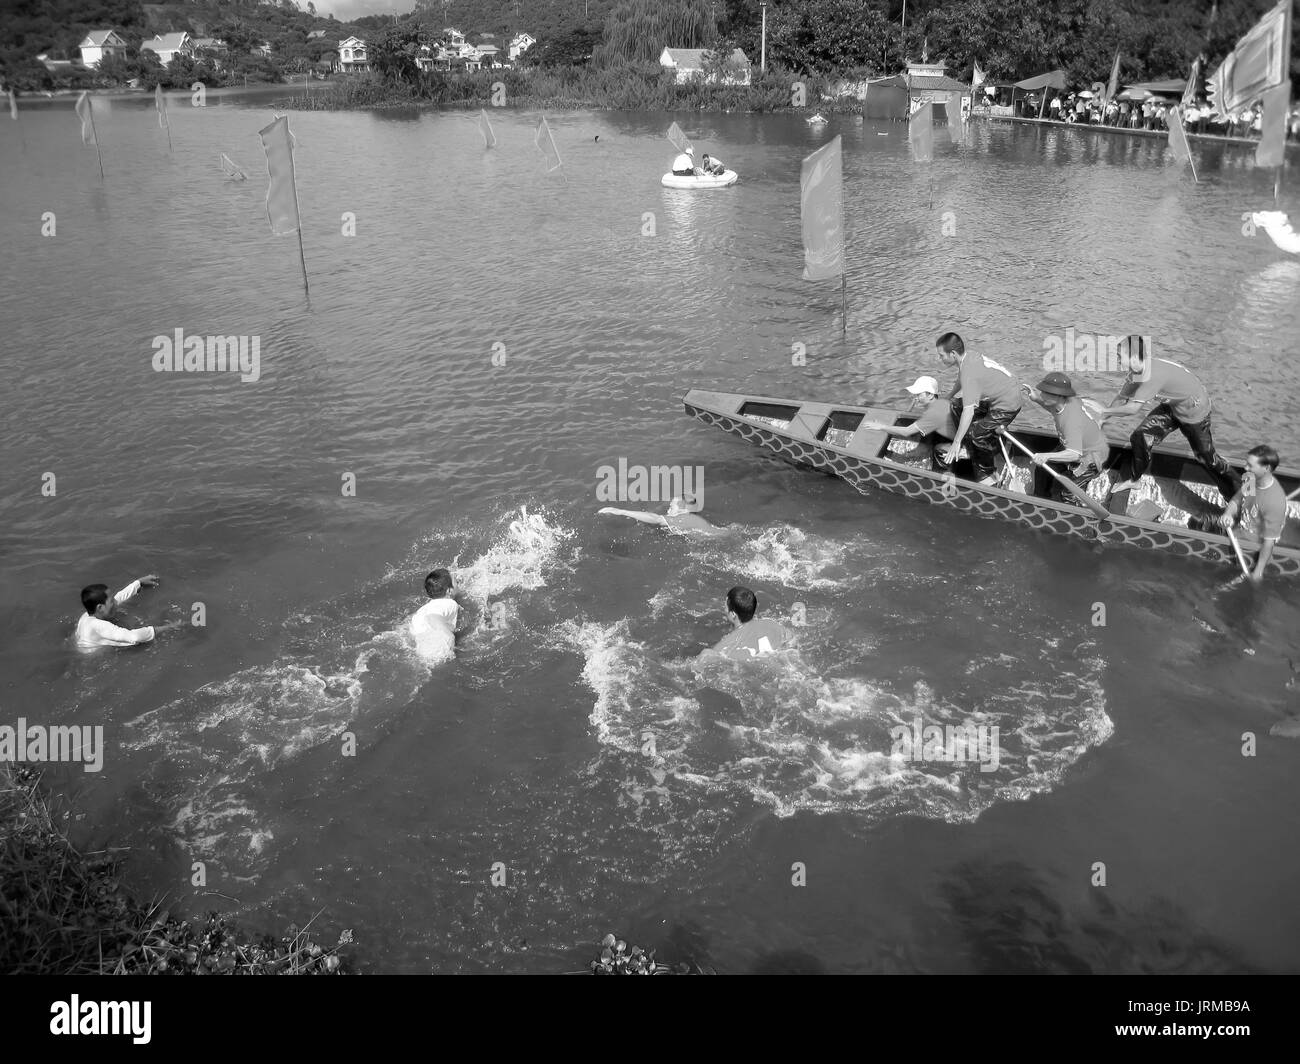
[1012, 39]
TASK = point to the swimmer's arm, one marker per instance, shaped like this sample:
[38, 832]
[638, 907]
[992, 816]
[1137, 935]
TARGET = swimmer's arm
[133, 588]
[644, 516]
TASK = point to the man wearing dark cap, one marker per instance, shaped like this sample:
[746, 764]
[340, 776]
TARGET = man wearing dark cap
[1082, 440]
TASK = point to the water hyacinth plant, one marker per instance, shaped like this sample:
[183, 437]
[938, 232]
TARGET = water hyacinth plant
[64, 912]
[616, 958]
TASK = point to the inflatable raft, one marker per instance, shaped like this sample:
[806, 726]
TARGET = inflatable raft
[722, 180]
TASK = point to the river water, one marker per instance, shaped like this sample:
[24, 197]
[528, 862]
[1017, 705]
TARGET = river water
[572, 745]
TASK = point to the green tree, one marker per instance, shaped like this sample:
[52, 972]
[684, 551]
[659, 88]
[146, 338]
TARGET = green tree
[393, 51]
[639, 30]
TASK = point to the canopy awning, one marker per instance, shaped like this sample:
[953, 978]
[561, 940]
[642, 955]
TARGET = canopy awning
[1173, 87]
[1054, 79]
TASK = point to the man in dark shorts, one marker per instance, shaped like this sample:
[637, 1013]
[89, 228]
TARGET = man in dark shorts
[1082, 441]
[1186, 406]
[985, 399]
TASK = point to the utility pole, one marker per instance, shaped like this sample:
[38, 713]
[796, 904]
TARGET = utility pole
[762, 55]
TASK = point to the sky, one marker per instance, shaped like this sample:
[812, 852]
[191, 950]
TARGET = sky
[343, 10]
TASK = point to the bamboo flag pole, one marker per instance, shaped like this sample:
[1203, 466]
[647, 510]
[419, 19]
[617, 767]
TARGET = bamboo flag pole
[99, 155]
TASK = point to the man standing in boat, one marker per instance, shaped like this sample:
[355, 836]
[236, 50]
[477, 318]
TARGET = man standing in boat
[985, 399]
[1186, 406]
[1082, 440]
[935, 424]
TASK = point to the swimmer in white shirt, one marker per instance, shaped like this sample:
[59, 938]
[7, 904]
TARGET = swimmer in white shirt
[679, 518]
[96, 627]
[434, 624]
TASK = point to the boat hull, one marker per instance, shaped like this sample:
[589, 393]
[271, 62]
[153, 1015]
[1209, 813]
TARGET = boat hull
[722, 180]
[859, 464]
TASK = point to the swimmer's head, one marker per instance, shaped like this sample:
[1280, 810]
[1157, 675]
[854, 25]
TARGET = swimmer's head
[679, 505]
[438, 583]
[97, 601]
[743, 603]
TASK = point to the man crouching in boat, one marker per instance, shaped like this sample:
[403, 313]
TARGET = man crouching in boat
[1257, 511]
[711, 167]
[751, 636]
[935, 424]
[679, 518]
[684, 164]
[985, 399]
[1082, 440]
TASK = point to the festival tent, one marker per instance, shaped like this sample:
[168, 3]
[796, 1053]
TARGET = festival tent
[1053, 79]
[1172, 87]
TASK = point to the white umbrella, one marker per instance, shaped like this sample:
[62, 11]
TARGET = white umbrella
[1085, 94]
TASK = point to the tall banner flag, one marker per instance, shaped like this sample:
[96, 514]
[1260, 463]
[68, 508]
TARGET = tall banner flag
[1189, 93]
[977, 78]
[821, 212]
[546, 145]
[678, 139]
[485, 127]
[87, 120]
[1257, 63]
[956, 127]
[13, 105]
[920, 133]
[160, 102]
[1112, 87]
[282, 192]
[232, 169]
[1178, 141]
[87, 115]
[1272, 134]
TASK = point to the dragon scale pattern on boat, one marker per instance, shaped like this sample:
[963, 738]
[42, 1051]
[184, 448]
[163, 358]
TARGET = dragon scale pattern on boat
[949, 491]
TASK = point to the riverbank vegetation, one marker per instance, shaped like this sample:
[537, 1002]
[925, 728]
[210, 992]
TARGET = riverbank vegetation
[631, 87]
[65, 912]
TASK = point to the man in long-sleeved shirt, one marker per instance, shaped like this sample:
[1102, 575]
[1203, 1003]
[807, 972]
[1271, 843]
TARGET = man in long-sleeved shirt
[96, 627]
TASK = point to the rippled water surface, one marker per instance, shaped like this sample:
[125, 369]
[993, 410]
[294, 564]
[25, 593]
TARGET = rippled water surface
[610, 297]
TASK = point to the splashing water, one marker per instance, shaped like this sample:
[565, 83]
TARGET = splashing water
[216, 744]
[777, 732]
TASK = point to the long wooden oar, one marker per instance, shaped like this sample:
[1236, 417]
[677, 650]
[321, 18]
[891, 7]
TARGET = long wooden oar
[1087, 500]
[1245, 569]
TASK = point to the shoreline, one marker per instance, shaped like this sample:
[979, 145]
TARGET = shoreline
[1208, 138]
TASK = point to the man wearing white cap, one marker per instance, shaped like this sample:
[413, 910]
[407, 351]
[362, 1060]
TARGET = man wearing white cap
[935, 423]
[684, 164]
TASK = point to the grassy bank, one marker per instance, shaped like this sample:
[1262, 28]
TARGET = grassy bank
[64, 912]
[623, 88]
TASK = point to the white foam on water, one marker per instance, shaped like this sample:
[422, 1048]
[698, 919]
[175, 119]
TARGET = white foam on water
[778, 733]
[784, 555]
[214, 745]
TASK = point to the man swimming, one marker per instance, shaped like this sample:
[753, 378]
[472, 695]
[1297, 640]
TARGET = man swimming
[751, 636]
[434, 624]
[678, 518]
[96, 627]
